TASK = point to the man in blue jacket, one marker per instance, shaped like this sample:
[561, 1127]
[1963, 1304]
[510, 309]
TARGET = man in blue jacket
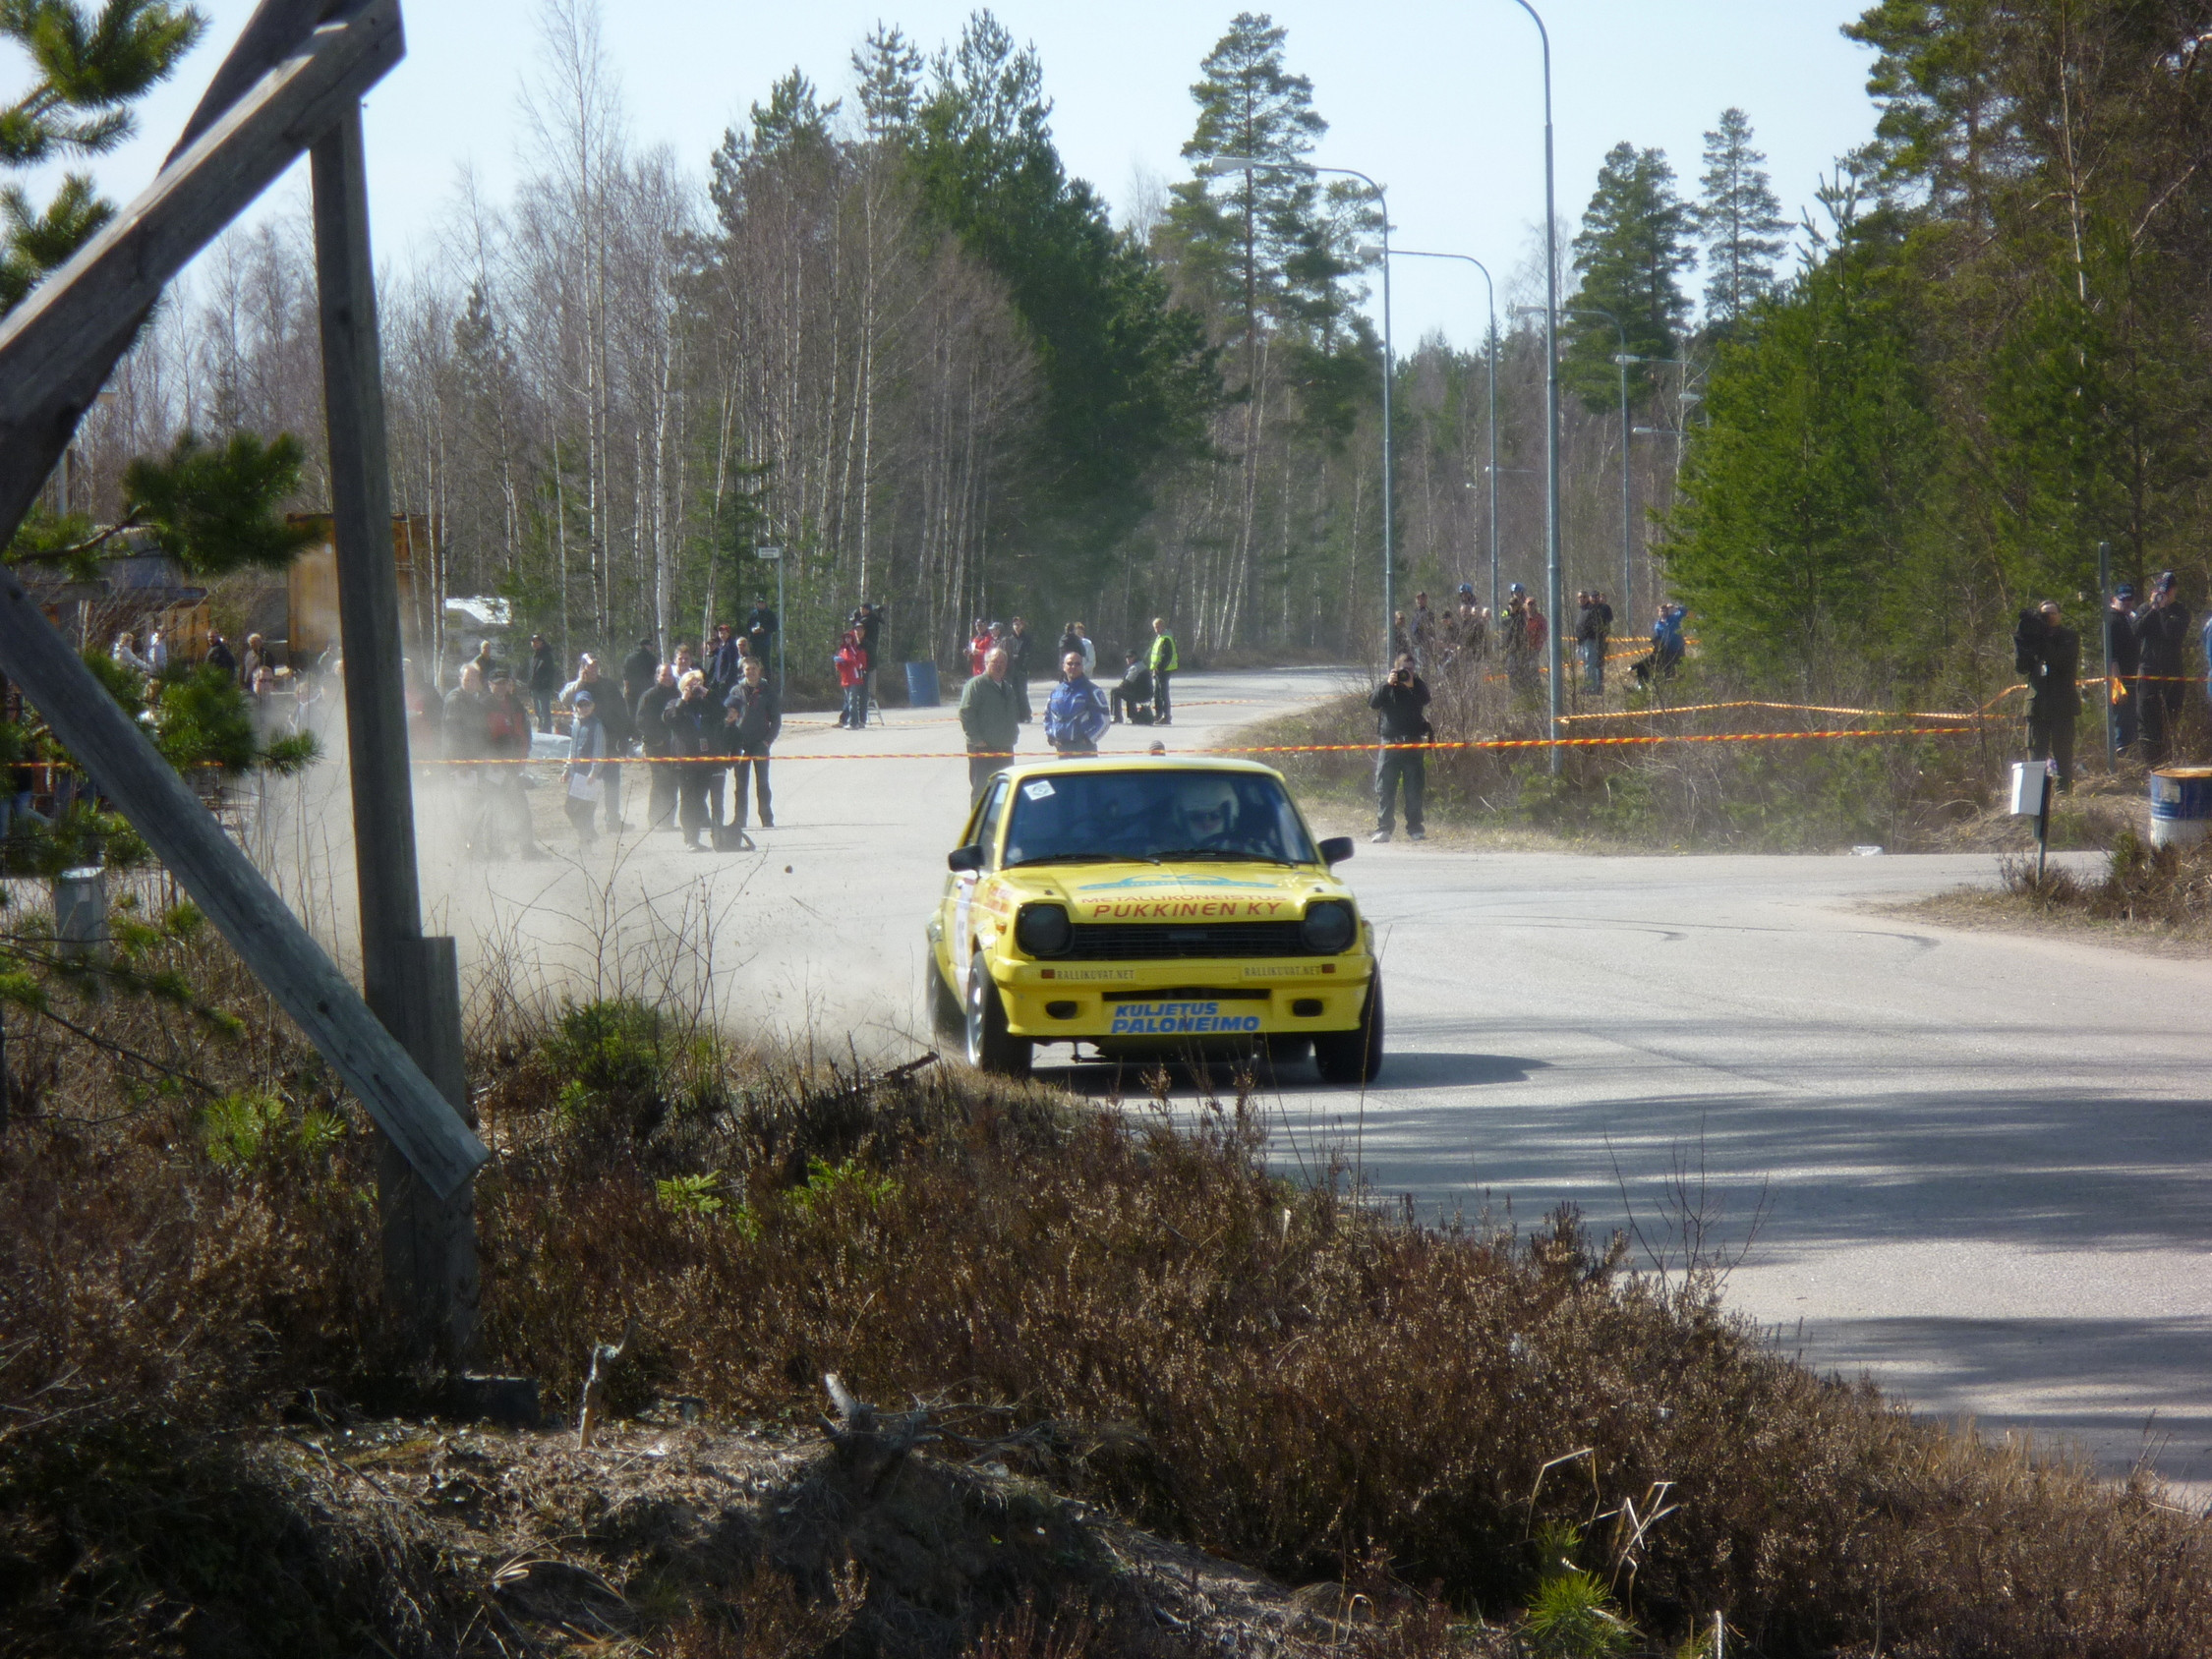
[1076, 717]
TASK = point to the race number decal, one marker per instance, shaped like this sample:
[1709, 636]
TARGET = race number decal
[1178, 1019]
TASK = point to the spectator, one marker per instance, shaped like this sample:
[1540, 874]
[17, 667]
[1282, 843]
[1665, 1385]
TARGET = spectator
[1421, 632]
[761, 623]
[851, 661]
[2123, 655]
[587, 770]
[1132, 697]
[124, 652]
[1076, 716]
[725, 662]
[1164, 664]
[753, 720]
[1071, 638]
[2163, 627]
[1018, 648]
[506, 743]
[980, 643]
[871, 642]
[1401, 705]
[260, 702]
[254, 662]
[310, 706]
[1594, 629]
[1474, 625]
[990, 719]
[1401, 641]
[158, 653]
[653, 738]
[1667, 647]
[544, 679]
[218, 653]
[2053, 652]
[639, 669]
[620, 727]
[1090, 651]
[1513, 637]
[690, 722]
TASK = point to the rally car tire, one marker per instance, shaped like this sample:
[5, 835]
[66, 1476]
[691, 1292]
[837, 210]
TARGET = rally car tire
[1355, 1056]
[989, 1046]
[946, 1017]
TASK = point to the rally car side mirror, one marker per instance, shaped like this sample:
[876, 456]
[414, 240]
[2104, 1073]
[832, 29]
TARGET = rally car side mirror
[971, 858]
[1336, 849]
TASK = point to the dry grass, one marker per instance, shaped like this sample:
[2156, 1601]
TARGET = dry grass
[1906, 794]
[1127, 1314]
[2161, 893]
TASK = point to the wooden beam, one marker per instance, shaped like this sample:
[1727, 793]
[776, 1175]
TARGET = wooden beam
[59, 345]
[56, 350]
[413, 983]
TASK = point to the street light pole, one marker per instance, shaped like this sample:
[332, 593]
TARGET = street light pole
[1246, 163]
[1551, 384]
[1490, 351]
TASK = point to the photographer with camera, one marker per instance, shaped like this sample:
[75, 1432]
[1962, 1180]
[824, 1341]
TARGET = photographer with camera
[1401, 705]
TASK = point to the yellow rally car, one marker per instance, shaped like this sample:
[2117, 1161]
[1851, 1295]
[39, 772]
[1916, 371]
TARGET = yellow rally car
[1153, 906]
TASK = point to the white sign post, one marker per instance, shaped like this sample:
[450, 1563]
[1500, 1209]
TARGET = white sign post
[2031, 798]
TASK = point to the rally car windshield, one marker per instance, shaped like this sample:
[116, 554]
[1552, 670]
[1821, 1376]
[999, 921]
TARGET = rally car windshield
[1154, 816]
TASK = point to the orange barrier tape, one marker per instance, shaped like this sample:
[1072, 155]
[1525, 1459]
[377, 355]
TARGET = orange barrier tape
[720, 761]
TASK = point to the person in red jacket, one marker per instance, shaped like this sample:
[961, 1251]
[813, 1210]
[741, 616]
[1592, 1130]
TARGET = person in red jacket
[851, 661]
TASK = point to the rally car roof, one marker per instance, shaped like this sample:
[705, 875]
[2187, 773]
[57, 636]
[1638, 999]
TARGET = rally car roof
[1132, 761]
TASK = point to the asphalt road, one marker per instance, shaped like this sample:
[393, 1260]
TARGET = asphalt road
[1978, 1162]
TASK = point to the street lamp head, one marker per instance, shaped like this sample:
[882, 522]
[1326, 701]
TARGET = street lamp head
[1371, 251]
[1626, 359]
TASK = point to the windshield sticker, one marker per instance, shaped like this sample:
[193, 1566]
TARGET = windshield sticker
[1173, 880]
[1040, 790]
[1178, 1019]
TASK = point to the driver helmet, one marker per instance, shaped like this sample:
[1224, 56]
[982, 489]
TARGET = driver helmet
[1206, 806]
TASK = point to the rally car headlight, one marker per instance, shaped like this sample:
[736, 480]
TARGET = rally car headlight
[1329, 927]
[1043, 930]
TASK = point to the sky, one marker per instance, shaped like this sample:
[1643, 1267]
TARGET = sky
[1442, 103]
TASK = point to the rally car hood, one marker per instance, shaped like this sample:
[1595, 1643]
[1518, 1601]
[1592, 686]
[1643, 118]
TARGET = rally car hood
[1139, 893]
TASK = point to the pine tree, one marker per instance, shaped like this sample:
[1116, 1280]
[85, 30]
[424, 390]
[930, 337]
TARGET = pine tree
[90, 70]
[1740, 217]
[886, 69]
[1633, 249]
[1252, 237]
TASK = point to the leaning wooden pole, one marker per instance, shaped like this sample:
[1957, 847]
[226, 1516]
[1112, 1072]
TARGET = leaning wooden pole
[412, 983]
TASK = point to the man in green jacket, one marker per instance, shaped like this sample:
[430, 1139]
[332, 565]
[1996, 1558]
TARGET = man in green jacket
[990, 719]
[1163, 661]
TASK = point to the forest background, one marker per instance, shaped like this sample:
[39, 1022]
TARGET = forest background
[882, 328]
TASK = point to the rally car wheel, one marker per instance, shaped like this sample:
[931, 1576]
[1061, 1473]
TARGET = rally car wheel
[1355, 1056]
[946, 1017]
[989, 1046]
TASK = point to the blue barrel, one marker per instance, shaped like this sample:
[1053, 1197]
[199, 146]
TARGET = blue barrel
[2180, 803]
[921, 685]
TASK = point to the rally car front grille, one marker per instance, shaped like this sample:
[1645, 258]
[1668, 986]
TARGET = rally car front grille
[1150, 941]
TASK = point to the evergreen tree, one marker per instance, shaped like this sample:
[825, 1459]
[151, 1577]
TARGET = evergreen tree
[90, 70]
[888, 70]
[1248, 238]
[1740, 218]
[1633, 249]
[1128, 375]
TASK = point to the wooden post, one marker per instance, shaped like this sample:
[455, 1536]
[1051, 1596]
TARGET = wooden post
[412, 983]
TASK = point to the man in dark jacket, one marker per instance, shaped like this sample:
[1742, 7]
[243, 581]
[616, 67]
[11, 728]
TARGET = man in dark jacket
[761, 624]
[638, 671]
[2054, 700]
[2124, 650]
[693, 725]
[1132, 697]
[618, 730]
[1017, 646]
[545, 680]
[754, 719]
[724, 663]
[1401, 705]
[871, 642]
[2163, 629]
[653, 738]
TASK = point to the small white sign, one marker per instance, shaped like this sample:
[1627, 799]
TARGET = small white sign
[769, 553]
[1040, 790]
[2030, 778]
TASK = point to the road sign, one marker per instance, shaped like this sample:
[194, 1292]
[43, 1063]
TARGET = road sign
[768, 553]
